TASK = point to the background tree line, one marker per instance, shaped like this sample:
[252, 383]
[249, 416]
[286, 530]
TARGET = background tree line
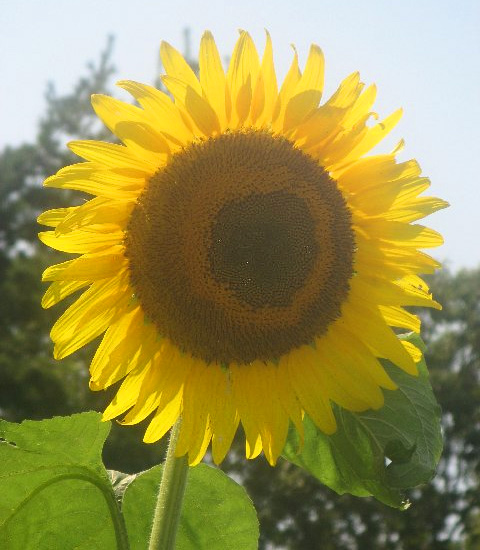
[295, 511]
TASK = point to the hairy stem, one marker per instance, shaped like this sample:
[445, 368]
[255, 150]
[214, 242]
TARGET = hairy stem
[170, 497]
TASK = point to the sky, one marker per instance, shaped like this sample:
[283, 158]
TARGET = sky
[422, 54]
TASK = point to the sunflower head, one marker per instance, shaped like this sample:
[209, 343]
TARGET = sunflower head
[243, 258]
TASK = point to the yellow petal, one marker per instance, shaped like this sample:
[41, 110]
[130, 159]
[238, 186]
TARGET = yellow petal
[371, 328]
[196, 106]
[165, 417]
[417, 291]
[96, 211]
[224, 418]
[90, 315]
[408, 235]
[377, 199]
[197, 453]
[241, 77]
[313, 75]
[415, 353]
[410, 211]
[144, 140]
[374, 135]
[362, 364]
[398, 317]
[309, 361]
[244, 404]
[347, 93]
[313, 398]
[265, 92]
[212, 76]
[127, 394]
[259, 406]
[288, 399]
[375, 171]
[162, 389]
[318, 128]
[195, 432]
[148, 396]
[286, 91]
[111, 111]
[325, 129]
[59, 290]
[357, 379]
[51, 218]
[89, 267]
[159, 107]
[273, 417]
[81, 242]
[91, 178]
[175, 66]
[127, 344]
[361, 107]
[131, 125]
[111, 155]
[308, 91]
[253, 447]
[335, 150]
[376, 257]
[380, 291]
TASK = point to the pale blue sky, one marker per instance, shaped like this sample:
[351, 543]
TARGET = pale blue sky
[423, 55]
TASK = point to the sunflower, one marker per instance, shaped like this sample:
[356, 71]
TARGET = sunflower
[244, 259]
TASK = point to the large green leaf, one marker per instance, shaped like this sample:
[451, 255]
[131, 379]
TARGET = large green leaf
[217, 513]
[379, 453]
[55, 492]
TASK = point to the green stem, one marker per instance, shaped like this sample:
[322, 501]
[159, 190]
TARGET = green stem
[170, 497]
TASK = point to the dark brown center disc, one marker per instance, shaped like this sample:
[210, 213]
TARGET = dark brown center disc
[241, 248]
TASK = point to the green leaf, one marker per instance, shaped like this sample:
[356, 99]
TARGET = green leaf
[378, 453]
[55, 492]
[217, 513]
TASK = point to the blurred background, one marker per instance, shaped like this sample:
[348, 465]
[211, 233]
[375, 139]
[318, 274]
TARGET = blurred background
[423, 56]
